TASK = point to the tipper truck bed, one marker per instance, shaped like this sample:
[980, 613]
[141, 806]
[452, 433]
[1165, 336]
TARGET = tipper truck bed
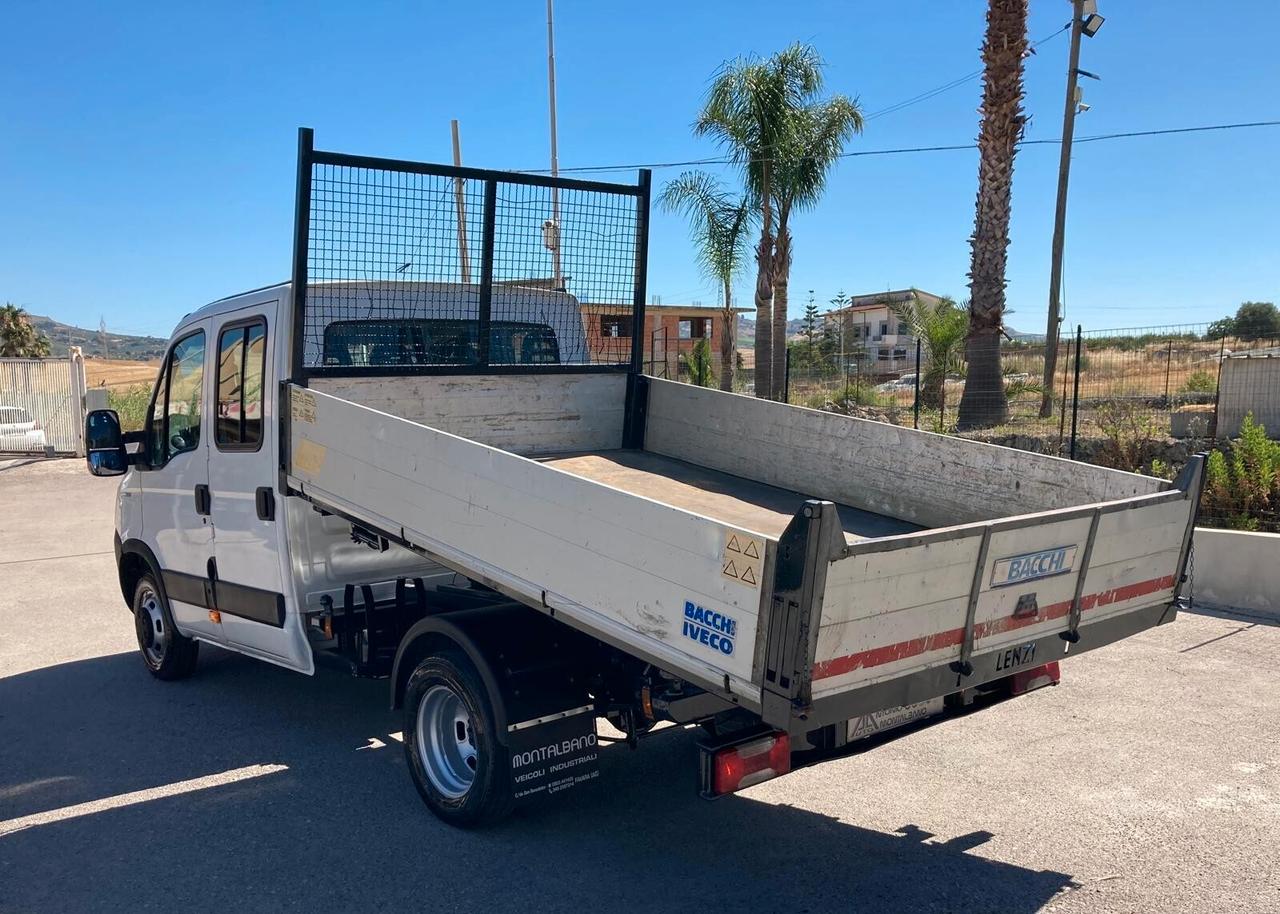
[469, 487]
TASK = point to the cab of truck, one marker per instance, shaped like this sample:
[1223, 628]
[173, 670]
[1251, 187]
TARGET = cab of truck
[201, 527]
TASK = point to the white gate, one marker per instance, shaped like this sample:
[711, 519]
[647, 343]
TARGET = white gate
[42, 406]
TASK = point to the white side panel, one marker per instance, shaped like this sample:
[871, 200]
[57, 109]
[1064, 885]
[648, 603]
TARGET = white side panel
[893, 612]
[928, 479]
[525, 414]
[620, 564]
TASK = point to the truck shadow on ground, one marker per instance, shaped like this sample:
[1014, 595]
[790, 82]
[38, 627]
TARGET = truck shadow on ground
[341, 828]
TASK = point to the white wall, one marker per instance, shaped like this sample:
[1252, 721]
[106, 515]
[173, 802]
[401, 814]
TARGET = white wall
[1249, 385]
[1238, 569]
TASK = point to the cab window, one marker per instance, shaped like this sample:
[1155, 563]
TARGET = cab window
[174, 426]
[242, 354]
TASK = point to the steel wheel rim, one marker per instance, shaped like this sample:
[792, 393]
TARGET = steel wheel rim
[446, 742]
[153, 632]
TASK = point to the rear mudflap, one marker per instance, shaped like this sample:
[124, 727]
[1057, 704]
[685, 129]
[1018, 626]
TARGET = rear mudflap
[553, 753]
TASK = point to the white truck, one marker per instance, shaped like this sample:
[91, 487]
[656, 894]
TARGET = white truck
[461, 480]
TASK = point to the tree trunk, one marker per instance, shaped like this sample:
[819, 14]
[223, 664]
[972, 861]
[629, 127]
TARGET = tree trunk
[764, 316]
[726, 340]
[983, 402]
[781, 281]
[932, 381]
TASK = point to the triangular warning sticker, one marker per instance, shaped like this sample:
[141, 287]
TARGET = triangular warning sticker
[747, 576]
[730, 569]
[733, 545]
[750, 552]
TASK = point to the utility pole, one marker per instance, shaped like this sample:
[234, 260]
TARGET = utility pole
[1060, 214]
[460, 202]
[551, 229]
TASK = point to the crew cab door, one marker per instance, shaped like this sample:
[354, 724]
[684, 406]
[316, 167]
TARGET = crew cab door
[242, 475]
[175, 482]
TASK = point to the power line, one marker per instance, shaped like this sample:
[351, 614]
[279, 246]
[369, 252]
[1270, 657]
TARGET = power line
[902, 150]
[946, 87]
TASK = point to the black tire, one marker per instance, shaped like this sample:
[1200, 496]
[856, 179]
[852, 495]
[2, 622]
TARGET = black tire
[168, 655]
[442, 678]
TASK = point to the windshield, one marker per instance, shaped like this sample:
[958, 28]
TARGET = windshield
[437, 341]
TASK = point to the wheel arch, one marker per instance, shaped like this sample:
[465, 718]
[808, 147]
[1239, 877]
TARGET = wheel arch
[452, 630]
[134, 558]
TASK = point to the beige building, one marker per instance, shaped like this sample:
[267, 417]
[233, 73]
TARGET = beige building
[873, 333]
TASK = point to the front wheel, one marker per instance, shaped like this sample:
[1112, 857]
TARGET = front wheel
[167, 653]
[451, 743]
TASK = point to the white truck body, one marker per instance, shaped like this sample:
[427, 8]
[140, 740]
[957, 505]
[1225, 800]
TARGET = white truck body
[392, 472]
[618, 542]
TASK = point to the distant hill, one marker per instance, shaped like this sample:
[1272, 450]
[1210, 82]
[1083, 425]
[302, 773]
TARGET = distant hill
[1024, 337]
[118, 345]
[747, 329]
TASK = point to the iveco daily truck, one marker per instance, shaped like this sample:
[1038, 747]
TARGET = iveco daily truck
[435, 455]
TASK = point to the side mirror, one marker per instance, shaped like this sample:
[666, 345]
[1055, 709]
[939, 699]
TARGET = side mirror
[104, 443]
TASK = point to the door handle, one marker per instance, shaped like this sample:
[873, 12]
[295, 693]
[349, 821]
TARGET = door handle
[265, 501]
[204, 501]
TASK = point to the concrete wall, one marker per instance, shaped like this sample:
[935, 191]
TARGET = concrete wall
[1249, 384]
[1238, 570]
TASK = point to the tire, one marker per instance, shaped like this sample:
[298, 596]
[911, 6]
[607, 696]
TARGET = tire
[461, 770]
[168, 655]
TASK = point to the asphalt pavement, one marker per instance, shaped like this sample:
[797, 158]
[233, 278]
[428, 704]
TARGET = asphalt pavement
[1149, 780]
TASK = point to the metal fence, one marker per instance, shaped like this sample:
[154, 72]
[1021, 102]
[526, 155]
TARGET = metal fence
[41, 405]
[1149, 382]
[405, 267]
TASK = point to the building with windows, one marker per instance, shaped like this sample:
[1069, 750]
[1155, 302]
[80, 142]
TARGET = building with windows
[669, 331]
[872, 332]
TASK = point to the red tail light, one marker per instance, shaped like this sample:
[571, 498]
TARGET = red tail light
[739, 766]
[1034, 678]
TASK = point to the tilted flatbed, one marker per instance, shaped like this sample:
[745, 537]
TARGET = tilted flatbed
[872, 555]
[435, 456]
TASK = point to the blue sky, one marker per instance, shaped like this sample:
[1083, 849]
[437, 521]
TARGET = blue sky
[148, 156]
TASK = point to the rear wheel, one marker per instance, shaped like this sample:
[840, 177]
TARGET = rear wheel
[451, 742]
[167, 653]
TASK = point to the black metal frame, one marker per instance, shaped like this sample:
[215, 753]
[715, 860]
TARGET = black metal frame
[309, 156]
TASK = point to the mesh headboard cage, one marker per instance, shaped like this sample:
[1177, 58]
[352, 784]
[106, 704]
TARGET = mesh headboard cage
[409, 268]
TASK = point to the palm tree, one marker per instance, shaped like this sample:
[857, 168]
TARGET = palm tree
[697, 362]
[719, 223]
[815, 139]
[941, 328]
[18, 339]
[983, 403]
[749, 110]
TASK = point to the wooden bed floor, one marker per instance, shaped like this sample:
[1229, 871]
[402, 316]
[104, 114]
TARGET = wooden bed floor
[730, 499]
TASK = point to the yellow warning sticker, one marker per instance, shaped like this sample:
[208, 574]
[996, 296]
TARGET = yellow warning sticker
[742, 558]
[308, 457]
[302, 406]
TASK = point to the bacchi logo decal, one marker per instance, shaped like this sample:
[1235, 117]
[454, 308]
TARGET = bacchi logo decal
[1029, 566]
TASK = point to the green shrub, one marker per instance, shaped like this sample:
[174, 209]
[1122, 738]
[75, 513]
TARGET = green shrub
[1242, 486]
[131, 404]
[860, 395]
[1200, 382]
[1131, 433]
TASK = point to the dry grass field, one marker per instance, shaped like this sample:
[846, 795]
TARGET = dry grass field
[119, 373]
